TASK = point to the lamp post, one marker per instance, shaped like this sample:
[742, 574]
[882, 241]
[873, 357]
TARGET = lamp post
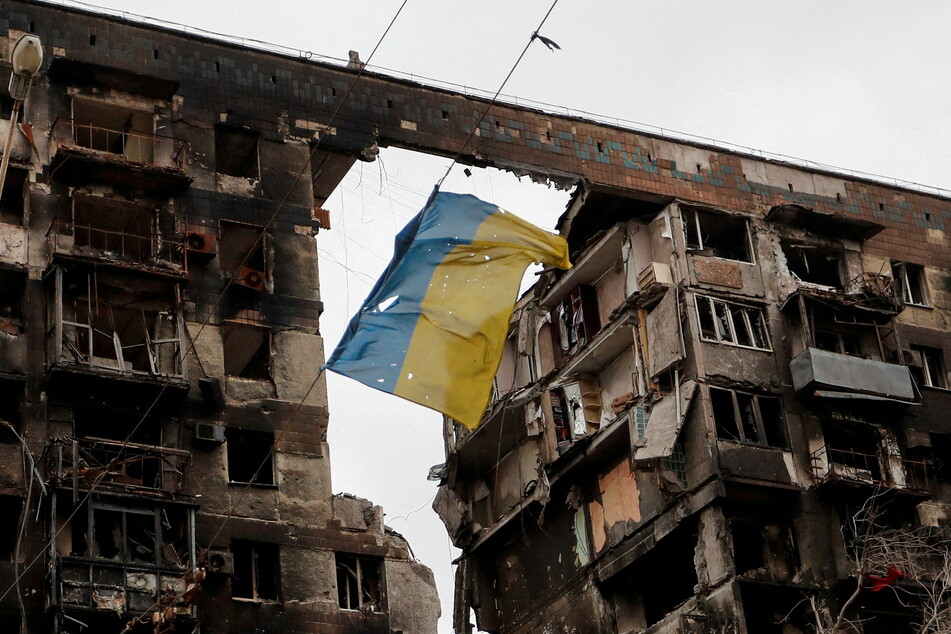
[26, 60]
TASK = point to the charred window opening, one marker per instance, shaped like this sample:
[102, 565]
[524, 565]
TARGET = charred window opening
[236, 152]
[658, 582]
[717, 235]
[13, 196]
[927, 366]
[359, 583]
[814, 264]
[840, 342]
[132, 534]
[247, 351]
[733, 324]
[10, 506]
[911, 281]
[116, 424]
[853, 450]
[241, 253]
[103, 128]
[124, 230]
[11, 393]
[12, 288]
[766, 546]
[939, 462]
[256, 571]
[748, 418]
[119, 323]
[250, 456]
[576, 320]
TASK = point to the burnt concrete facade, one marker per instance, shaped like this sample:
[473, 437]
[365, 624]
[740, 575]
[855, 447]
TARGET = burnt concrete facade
[159, 336]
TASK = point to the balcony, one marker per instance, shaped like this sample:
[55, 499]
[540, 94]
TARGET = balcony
[115, 587]
[854, 468]
[112, 464]
[85, 152]
[830, 375]
[118, 247]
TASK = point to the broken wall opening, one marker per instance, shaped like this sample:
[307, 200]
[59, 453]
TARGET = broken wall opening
[13, 196]
[814, 264]
[249, 450]
[247, 351]
[236, 152]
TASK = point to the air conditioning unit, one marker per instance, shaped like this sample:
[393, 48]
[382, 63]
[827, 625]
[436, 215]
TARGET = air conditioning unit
[199, 242]
[252, 278]
[654, 273]
[912, 358]
[210, 433]
[220, 562]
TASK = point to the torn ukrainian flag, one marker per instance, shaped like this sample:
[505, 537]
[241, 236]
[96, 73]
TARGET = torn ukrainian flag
[433, 327]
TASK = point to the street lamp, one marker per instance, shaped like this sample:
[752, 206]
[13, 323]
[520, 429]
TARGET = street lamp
[26, 61]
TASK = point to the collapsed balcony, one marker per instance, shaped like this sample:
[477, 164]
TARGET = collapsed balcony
[125, 326]
[122, 235]
[112, 464]
[831, 465]
[114, 145]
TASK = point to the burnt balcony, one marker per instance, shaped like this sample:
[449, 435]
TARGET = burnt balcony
[117, 247]
[84, 152]
[116, 588]
[831, 375]
[78, 463]
[848, 467]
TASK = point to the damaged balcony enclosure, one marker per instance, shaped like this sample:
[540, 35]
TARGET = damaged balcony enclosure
[121, 556]
[107, 323]
[103, 142]
[831, 375]
[117, 233]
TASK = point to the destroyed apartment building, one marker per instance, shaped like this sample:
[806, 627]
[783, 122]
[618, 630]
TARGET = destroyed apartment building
[139, 390]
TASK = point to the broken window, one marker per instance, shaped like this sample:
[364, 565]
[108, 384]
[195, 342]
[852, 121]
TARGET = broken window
[247, 351]
[359, 583]
[840, 342]
[236, 152]
[729, 323]
[814, 264]
[241, 253]
[118, 323]
[939, 462]
[911, 281]
[749, 418]
[718, 235]
[13, 196]
[256, 571]
[104, 128]
[853, 451]
[121, 230]
[12, 287]
[927, 366]
[250, 456]
[576, 319]
[764, 546]
[10, 506]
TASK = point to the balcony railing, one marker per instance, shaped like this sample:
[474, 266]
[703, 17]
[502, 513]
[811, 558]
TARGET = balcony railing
[846, 465]
[79, 462]
[117, 587]
[121, 247]
[137, 147]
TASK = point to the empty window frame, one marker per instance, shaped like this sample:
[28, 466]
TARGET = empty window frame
[247, 351]
[13, 196]
[250, 456]
[911, 283]
[11, 393]
[733, 324]
[236, 152]
[813, 264]
[718, 235]
[12, 288]
[241, 252]
[256, 571]
[840, 342]
[750, 418]
[359, 583]
[928, 367]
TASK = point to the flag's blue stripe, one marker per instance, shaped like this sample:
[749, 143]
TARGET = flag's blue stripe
[373, 348]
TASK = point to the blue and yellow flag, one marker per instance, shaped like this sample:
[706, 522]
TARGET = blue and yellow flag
[433, 327]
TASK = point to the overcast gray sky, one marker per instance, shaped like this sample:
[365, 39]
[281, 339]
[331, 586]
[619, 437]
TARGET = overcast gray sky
[861, 84]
